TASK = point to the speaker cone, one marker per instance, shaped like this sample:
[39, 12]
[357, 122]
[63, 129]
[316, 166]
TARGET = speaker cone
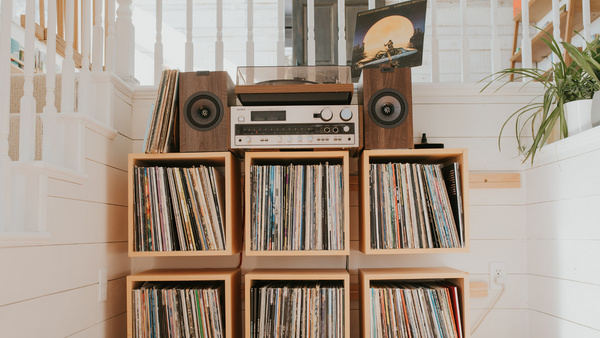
[388, 108]
[203, 111]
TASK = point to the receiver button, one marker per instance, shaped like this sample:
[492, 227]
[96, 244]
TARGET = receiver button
[346, 114]
[346, 129]
[326, 114]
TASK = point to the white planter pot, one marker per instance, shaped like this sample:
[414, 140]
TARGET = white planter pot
[578, 115]
[596, 109]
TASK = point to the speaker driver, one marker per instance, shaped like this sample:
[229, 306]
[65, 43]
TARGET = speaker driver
[388, 108]
[203, 111]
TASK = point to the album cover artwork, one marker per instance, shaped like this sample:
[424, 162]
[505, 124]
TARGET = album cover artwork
[390, 36]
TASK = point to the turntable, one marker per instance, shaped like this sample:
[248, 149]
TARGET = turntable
[293, 86]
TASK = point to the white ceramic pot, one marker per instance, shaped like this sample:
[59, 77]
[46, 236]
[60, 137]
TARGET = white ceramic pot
[596, 109]
[578, 115]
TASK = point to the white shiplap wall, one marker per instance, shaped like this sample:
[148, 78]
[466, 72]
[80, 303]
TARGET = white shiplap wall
[459, 116]
[563, 194]
[51, 290]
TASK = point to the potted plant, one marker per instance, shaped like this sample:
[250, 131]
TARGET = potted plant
[589, 61]
[562, 83]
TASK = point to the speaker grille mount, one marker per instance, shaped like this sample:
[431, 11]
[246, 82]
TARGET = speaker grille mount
[388, 108]
[203, 111]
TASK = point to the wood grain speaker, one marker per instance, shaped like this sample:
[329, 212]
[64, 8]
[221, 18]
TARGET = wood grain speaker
[204, 101]
[387, 108]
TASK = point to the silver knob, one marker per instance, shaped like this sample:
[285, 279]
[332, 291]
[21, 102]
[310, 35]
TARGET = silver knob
[299, 138]
[326, 114]
[346, 129]
[289, 139]
[279, 139]
[248, 139]
[309, 138]
[346, 114]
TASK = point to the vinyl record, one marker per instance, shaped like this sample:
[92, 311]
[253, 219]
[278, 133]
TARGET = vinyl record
[388, 108]
[203, 111]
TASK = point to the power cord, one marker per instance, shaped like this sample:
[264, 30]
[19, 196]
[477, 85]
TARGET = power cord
[499, 280]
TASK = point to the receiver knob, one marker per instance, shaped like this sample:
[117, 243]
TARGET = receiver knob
[309, 138]
[289, 139]
[346, 129]
[279, 139]
[248, 139]
[326, 114]
[346, 114]
[299, 138]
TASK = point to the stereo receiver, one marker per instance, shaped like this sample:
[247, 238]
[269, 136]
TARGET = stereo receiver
[295, 127]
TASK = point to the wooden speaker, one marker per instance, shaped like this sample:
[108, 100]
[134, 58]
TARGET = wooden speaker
[387, 108]
[204, 101]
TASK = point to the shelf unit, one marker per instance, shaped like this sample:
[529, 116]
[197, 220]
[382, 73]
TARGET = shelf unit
[456, 277]
[232, 200]
[300, 157]
[231, 278]
[569, 21]
[297, 274]
[424, 156]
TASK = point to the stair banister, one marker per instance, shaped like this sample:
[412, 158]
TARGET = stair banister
[49, 115]
[341, 33]
[219, 49]
[465, 50]
[495, 45]
[250, 36]
[158, 45]
[281, 32]
[189, 44]
[98, 50]
[5, 162]
[111, 42]
[125, 33]
[311, 45]
[85, 78]
[27, 116]
[68, 65]
[526, 41]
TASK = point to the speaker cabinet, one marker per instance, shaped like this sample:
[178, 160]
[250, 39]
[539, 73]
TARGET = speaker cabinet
[204, 101]
[387, 108]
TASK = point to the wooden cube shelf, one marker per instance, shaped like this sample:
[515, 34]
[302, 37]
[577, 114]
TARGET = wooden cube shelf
[423, 156]
[232, 198]
[456, 277]
[297, 274]
[304, 158]
[230, 277]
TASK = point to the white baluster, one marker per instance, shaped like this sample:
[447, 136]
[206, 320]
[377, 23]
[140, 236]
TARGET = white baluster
[98, 51]
[250, 41]
[189, 44]
[5, 165]
[371, 4]
[341, 33]
[219, 53]
[49, 113]
[465, 51]
[435, 44]
[585, 4]
[125, 33]
[281, 32]
[68, 65]
[526, 41]
[556, 24]
[111, 41]
[495, 45]
[311, 49]
[85, 78]
[27, 114]
[158, 46]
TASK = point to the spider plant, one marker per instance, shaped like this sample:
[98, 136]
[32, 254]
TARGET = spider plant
[564, 82]
[588, 59]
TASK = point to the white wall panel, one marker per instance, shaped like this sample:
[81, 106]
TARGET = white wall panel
[497, 222]
[115, 327]
[514, 296]
[501, 323]
[62, 314]
[543, 325]
[58, 268]
[71, 221]
[123, 115]
[565, 259]
[572, 301]
[100, 149]
[575, 218]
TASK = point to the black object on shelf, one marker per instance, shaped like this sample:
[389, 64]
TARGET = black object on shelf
[425, 145]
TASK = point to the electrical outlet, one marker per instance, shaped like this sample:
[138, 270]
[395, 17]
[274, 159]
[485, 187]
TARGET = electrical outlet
[103, 285]
[497, 273]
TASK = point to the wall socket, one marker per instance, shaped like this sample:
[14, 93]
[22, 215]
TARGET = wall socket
[497, 271]
[103, 285]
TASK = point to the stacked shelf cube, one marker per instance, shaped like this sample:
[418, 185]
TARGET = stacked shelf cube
[230, 277]
[456, 277]
[422, 156]
[304, 158]
[232, 199]
[295, 275]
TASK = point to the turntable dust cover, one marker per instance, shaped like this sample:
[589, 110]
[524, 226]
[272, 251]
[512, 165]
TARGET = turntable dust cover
[390, 36]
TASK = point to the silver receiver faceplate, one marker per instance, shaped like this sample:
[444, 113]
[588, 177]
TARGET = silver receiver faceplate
[294, 127]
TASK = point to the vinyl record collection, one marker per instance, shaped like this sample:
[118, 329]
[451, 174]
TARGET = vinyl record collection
[178, 309]
[162, 120]
[415, 309]
[297, 309]
[297, 207]
[178, 209]
[411, 207]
